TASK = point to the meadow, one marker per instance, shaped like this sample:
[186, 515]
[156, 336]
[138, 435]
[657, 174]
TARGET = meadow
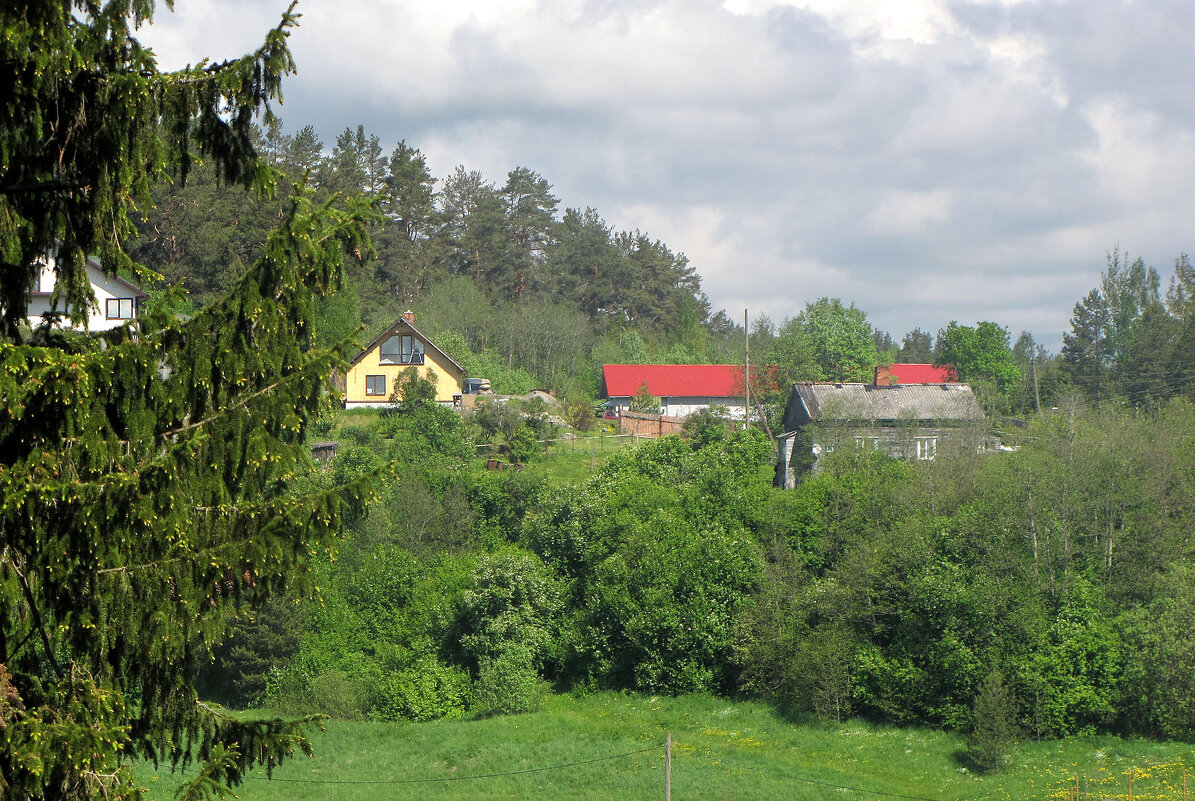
[611, 746]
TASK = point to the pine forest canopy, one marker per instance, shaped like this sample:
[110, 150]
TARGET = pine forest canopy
[152, 478]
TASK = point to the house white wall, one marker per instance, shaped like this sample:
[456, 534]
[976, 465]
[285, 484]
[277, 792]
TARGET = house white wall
[106, 289]
[685, 406]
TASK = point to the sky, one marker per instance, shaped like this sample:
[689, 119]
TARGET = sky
[925, 160]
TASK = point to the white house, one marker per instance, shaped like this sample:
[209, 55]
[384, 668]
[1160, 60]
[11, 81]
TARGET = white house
[117, 301]
[681, 388]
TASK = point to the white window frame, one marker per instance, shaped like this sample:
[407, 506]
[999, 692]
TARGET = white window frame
[927, 448]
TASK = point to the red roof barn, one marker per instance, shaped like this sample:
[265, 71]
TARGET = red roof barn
[681, 388]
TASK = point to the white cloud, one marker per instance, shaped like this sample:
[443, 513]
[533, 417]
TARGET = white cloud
[929, 160]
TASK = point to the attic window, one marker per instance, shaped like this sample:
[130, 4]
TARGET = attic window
[404, 349]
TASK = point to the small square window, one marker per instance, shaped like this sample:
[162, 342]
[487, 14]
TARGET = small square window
[375, 385]
[119, 308]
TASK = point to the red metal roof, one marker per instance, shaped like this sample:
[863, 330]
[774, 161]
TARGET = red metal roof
[674, 380]
[922, 374]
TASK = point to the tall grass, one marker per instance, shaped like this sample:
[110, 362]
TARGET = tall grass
[610, 746]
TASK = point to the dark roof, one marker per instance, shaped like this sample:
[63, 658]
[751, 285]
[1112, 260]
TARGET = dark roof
[869, 403]
[397, 326]
[673, 380]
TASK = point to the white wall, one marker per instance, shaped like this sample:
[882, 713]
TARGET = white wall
[685, 406]
[105, 289]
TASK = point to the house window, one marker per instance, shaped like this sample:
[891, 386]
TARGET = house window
[404, 349]
[119, 308]
[927, 448]
[412, 350]
[389, 354]
[375, 385]
[868, 442]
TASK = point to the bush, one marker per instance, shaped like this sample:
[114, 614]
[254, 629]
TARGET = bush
[508, 684]
[428, 690]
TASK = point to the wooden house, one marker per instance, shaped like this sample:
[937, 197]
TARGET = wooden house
[401, 347]
[908, 421]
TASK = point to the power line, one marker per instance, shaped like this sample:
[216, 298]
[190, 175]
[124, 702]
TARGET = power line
[831, 785]
[464, 778]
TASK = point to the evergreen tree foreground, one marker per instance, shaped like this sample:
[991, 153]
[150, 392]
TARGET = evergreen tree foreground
[149, 476]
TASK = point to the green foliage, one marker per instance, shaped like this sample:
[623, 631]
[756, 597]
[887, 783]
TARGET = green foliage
[522, 445]
[839, 340]
[993, 728]
[514, 601]
[428, 690]
[90, 125]
[508, 683]
[644, 401]
[414, 391]
[153, 476]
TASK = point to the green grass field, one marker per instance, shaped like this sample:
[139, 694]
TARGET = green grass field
[611, 746]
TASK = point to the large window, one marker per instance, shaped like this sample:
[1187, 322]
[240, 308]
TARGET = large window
[412, 350]
[119, 308]
[404, 349]
[375, 385]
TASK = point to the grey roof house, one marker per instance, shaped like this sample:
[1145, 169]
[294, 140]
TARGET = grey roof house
[907, 421]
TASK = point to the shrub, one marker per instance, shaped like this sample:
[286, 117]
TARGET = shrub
[427, 690]
[508, 684]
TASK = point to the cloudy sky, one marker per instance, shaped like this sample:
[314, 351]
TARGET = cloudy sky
[927, 160]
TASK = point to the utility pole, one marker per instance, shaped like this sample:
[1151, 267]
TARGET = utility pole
[746, 373]
[1036, 396]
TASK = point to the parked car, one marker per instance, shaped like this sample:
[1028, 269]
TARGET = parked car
[477, 386]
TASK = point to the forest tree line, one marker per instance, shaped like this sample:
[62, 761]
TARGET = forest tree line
[530, 296]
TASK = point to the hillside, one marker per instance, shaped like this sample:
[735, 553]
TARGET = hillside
[611, 746]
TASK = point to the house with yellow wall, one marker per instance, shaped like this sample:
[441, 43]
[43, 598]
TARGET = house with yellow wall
[372, 374]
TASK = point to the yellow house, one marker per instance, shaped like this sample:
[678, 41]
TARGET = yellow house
[372, 374]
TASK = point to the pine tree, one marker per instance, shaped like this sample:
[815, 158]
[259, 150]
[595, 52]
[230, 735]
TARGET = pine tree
[148, 475]
[993, 729]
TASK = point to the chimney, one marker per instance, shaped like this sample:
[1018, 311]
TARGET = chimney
[409, 316]
[883, 376]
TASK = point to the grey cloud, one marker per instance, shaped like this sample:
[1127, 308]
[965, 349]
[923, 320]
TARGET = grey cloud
[790, 161]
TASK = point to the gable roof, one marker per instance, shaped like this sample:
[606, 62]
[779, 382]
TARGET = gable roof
[922, 373]
[926, 403]
[95, 274]
[396, 327]
[673, 380]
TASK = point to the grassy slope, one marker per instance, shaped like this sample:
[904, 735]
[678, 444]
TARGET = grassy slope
[721, 750]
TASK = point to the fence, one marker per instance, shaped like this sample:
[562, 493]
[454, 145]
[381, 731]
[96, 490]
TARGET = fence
[648, 425]
[1165, 782]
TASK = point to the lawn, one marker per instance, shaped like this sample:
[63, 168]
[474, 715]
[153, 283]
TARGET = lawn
[611, 746]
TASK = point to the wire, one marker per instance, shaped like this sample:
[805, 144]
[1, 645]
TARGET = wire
[462, 778]
[831, 785]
